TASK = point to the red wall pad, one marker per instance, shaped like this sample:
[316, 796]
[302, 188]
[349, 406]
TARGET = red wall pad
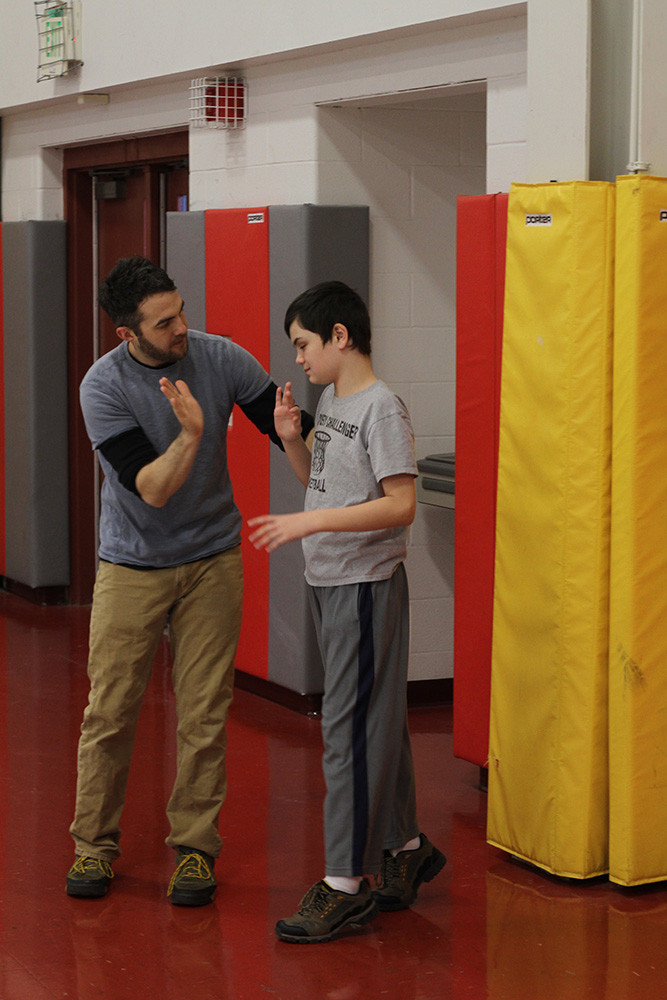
[2, 418]
[237, 306]
[480, 282]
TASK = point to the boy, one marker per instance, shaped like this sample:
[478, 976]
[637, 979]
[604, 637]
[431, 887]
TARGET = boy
[360, 500]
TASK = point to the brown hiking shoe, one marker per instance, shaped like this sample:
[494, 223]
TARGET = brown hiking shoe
[403, 873]
[89, 878]
[324, 912]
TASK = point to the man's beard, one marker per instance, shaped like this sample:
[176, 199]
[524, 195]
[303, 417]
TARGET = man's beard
[155, 354]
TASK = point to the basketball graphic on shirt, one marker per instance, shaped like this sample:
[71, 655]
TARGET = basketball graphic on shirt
[319, 447]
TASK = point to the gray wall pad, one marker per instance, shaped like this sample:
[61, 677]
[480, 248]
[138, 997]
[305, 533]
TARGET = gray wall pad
[186, 263]
[36, 423]
[307, 244]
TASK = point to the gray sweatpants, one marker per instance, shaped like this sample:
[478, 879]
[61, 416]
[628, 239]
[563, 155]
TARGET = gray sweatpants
[363, 634]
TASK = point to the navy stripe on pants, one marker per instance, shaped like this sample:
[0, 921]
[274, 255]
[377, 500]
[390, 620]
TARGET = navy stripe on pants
[365, 679]
[363, 633]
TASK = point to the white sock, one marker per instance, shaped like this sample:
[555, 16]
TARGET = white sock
[342, 883]
[412, 845]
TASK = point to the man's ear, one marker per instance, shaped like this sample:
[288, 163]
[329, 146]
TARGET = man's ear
[341, 337]
[125, 333]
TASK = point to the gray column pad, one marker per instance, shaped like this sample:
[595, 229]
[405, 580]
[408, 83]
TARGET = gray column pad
[185, 263]
[307, 244]
[36, 424]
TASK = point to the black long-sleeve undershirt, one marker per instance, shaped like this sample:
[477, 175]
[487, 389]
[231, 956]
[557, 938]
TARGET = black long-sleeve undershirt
[129, 452]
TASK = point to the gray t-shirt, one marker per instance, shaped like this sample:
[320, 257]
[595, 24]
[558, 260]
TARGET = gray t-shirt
[359, 440]
[200, 519]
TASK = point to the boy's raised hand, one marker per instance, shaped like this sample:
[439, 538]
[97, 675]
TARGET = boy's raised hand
[287, 415]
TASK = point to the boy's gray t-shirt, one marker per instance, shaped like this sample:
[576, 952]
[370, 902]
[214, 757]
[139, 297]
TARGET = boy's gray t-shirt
[200, 519]
[359, 440]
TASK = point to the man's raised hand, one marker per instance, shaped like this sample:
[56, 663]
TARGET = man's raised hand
[186, 408]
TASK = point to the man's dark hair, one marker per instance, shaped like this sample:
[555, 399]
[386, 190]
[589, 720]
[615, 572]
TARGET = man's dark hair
[319, 309]
[126, 286]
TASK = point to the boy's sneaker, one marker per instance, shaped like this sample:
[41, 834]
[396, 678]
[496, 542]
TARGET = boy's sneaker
[403, 873]
[193, 882]
[89, 877]
[324, 912]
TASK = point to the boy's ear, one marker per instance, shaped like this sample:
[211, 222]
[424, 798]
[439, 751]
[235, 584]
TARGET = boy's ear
[341, 337]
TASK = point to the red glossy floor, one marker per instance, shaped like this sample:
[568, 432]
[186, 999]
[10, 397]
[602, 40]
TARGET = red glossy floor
[485, 929]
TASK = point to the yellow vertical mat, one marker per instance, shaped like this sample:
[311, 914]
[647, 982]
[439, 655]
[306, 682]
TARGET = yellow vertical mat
[638, 582]
[548, 762]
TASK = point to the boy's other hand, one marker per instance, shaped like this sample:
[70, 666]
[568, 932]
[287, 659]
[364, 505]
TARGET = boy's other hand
[272, 530]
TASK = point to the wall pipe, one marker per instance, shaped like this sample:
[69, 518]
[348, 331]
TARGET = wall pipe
[636, 164]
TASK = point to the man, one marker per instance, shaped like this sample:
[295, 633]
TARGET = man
[157, 408]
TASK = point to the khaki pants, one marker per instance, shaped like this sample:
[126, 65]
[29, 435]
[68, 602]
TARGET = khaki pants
[202, 602]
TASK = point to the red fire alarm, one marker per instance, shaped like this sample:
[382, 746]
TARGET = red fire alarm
[218, 102]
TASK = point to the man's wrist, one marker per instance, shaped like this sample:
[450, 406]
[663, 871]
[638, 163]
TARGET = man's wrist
[190, 435]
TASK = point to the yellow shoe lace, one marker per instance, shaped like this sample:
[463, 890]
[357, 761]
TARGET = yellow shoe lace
[85, 866]
[191, 866]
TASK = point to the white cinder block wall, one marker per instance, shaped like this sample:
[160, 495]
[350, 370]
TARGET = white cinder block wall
[313, 136]
[407, 160]
[384, 125]
[412, 161]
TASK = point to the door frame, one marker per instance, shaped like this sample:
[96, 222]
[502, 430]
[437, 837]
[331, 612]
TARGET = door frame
[78, 162]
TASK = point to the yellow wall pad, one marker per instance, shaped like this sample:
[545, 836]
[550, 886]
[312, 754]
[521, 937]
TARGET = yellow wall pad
[638, 583]
[548, 763]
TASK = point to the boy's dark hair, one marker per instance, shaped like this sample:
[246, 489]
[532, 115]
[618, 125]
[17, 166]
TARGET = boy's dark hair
[126, 286]
[319, 309]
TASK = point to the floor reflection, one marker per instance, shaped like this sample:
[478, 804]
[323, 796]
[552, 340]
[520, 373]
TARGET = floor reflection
[488, 928]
